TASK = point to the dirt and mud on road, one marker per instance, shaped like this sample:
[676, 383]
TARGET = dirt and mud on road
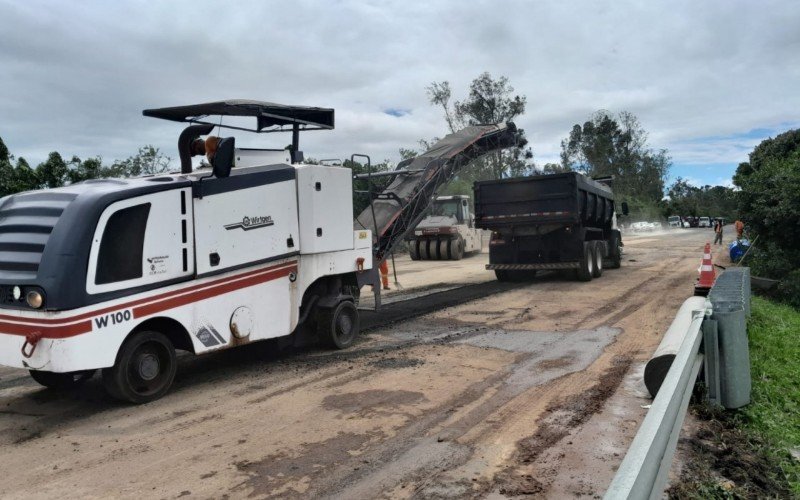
[462, 387]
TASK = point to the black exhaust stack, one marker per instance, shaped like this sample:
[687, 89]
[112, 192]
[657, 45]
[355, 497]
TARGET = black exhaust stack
[188, 135]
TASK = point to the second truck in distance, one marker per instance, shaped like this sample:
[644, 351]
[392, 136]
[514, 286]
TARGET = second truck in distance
[558, 221]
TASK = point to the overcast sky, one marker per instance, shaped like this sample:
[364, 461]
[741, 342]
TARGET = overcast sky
[708, 80]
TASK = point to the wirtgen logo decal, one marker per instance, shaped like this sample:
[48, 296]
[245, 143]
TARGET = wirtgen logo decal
[249, 223]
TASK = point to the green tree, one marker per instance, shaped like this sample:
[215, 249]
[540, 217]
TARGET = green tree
[148, 161]
[554, 168]
[53, 172]
[608, 145]
[769, 204]
[25, 178]
[489, 101]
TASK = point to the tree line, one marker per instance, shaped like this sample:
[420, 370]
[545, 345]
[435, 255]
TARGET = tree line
[16, 174]
[769, 205]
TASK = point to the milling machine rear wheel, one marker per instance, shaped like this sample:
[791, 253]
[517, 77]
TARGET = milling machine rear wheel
[413, 249]
[339, 327]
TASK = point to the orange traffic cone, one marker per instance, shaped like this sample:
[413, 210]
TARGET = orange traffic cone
[707, 274]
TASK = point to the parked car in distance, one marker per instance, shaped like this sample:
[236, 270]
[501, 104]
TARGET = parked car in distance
[641, 227]
[675, 221]
[704, 222]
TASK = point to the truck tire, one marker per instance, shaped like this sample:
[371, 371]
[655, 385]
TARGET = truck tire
[444, 252]
[586, 269]
[339, 326]
[413, 249]
[423, 249]
[144, 370]
[614, 251]
[457, 248]
[61, 381]
[598, 248]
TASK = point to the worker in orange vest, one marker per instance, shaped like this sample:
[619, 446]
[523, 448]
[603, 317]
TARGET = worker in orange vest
[384, 267]
[739, 225]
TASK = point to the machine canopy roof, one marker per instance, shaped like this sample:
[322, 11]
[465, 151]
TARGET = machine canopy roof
[267, 114]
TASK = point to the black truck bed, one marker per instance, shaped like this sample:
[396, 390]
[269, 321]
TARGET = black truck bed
[568, 198]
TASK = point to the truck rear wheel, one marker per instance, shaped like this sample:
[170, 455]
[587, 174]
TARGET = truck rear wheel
[586, 269]
[597, 254]
[145, 368]
[413, 249]
[615, 251]
[457, 248]
[339, 326]
[61, 381]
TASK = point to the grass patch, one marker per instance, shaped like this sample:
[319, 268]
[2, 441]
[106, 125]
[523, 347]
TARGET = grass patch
[774, 412]
[747, 453]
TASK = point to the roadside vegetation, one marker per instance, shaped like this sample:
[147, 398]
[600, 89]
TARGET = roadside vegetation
[769, 204]
[17, 175]
[753, 452]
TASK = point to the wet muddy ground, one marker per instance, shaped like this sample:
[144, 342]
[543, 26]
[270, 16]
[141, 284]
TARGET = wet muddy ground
[460, 387]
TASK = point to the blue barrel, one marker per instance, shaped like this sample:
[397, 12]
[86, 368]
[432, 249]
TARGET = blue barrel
[737, 249]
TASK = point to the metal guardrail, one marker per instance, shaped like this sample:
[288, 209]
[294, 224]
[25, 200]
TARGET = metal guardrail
[716, 335]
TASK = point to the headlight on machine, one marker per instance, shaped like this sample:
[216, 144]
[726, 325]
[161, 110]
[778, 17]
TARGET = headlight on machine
[34, 298]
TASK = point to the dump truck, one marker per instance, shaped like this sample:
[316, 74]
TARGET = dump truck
[117, 274]
[549, 222]
[447, 232]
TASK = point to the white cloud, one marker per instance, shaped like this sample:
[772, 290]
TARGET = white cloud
[698, 75]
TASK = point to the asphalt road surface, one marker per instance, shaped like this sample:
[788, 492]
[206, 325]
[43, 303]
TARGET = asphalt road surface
[460, 387]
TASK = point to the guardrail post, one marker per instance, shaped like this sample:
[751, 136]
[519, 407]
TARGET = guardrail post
[710, 349]
[730, 298]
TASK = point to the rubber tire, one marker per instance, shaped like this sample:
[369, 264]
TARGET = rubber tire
[116, 380]
[61, 381]
[413, 249]
[615, 252]
[457, 248]
[597, 255]
[585, 271]
[334, 321]
[423, 250]
[444, 249]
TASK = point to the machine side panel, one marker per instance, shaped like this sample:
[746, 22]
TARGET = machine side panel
[326, 208]
[245, 226]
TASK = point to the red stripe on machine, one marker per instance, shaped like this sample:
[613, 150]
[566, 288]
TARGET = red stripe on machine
[171, 303]
[55, 328]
